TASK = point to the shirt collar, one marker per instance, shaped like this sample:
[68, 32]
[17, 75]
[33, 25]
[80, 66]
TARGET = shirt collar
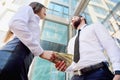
[83, 26]
[37, 17]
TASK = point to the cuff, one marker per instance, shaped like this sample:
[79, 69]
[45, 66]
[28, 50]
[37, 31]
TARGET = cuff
[117, 72]
[38, 51]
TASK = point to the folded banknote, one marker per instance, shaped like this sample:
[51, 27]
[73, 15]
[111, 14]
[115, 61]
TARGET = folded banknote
[64, 57]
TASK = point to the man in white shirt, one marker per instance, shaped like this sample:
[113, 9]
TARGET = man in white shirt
[92, 64]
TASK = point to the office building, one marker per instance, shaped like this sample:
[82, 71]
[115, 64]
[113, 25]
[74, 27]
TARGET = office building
[56, 30]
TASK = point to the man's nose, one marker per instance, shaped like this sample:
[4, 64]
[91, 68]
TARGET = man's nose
[72, 20]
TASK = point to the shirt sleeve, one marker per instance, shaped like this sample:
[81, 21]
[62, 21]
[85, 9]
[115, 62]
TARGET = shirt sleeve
[70, 47]
[109, 45]
[18, 26]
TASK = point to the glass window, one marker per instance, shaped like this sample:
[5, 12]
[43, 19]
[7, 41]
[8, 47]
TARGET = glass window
[96, 1]
[73, 5]
[100, 10]
[55, 32]
[51, 7]
[64, 1]
[87, 17]
[115, 1]
[65, 12]
[74, 2]
[86, 10]
[110, 6]
[58, 10]
[99, 19]
[44, 70]
[109, 26]
[117, 16]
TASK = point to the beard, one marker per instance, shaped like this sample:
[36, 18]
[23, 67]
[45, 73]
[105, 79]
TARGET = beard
[77, 23]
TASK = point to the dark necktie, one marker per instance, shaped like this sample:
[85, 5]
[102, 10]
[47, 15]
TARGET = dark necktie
[76, 48]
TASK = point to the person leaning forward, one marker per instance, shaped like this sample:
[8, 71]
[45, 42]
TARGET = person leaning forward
[21, 50]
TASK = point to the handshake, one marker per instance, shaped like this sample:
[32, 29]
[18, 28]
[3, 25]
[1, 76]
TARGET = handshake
[61, 60]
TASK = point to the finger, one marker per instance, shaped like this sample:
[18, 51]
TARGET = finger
[65, 68]
[53, 56]
[60, 65]
[57, 64]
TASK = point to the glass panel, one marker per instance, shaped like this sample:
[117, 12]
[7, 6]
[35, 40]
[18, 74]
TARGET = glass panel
[45, 70]
[109, 26]
[64, 1]
[110, 6]
[100, 10]
[74, 2]
[50, 8]
[115, 1]
[55, 32]
[99, 19]
[65, 12]
[58, 10]
[97, 1]
[86, 10]
[117, 16]
[87, 17]
[73, 5]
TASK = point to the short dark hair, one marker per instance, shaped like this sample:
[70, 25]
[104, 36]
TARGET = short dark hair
[36, 6]
[84, 19]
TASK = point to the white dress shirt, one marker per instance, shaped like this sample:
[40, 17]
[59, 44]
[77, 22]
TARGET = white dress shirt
[94, 40]
[25, 25]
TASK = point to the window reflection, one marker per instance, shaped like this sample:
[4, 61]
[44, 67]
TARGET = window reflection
[64, 1]
[58, 10]
[55, 32]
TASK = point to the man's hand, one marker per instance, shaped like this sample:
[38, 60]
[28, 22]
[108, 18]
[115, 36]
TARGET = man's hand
[60, 66]
[116, 77]
[48, 55]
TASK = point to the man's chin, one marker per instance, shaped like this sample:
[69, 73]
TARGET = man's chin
[73, 26]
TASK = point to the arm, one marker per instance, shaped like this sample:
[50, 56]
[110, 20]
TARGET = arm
[109, 45]
[61, 66]
[19, 27]
[70, 47]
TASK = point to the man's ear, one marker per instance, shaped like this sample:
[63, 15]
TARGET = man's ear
[82, 18]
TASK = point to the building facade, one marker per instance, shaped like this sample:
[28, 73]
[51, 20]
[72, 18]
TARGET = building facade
[56, 30]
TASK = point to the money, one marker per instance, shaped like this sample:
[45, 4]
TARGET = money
[68, 58]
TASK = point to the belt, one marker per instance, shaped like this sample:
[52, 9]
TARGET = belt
[91, 68]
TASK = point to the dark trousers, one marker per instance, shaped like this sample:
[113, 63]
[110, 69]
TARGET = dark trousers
[17, 65]
[100, 74]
